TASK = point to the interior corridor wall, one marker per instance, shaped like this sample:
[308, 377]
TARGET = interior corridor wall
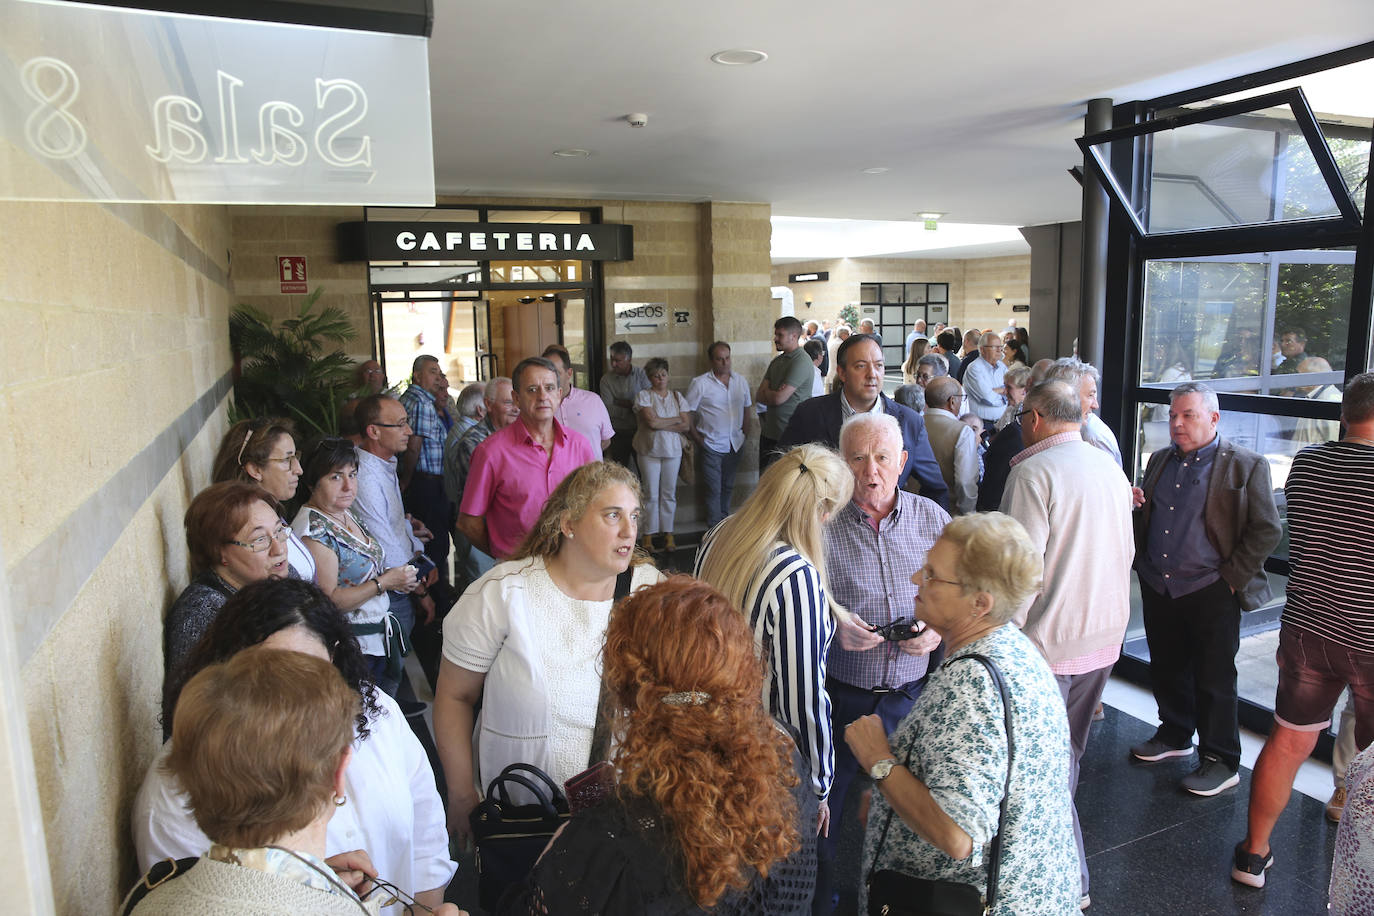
[114, 339]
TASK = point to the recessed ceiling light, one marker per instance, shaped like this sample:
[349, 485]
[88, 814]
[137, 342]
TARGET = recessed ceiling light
[928, 214]
[572, 153]
[739, 57]
[876, 170]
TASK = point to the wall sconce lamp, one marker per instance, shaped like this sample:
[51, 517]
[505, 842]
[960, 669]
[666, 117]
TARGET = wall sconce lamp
[997, 298]
[808, 301]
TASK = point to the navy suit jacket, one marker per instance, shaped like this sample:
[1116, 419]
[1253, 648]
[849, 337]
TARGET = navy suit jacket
[818, 420]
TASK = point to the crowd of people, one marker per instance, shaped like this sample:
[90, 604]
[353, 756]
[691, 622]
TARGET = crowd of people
[927, 602]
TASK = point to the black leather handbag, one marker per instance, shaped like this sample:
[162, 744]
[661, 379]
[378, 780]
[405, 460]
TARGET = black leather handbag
[510, 837]
[894, 893]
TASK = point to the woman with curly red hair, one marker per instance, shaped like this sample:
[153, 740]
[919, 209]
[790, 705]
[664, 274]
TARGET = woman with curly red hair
[708, 807]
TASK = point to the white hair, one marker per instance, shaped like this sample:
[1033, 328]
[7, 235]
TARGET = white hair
[880, 424]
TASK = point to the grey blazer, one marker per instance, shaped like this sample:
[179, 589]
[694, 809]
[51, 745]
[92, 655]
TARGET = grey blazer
[1240, 518]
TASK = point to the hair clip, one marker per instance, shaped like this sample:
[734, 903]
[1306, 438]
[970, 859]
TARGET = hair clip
[802, 468]
[686, 698]
[245, 443]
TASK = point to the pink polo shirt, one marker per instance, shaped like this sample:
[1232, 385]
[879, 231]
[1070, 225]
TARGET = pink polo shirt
[512, 476]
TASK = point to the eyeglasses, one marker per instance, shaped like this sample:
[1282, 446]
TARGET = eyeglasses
[926, 574]
[391, 894]
[1022, 412]
[263, 541]
[287, 460]
[392, 425]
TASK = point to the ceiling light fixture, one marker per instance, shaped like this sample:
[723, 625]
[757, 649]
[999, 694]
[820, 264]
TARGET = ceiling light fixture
[929, 214]
[875, 170]
[572, 153]
[739, 57]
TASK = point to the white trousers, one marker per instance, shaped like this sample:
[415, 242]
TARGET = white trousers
[659, 476]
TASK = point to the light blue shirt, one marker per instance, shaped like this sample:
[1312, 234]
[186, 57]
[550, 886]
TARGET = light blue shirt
[981, 378]
[379, 505]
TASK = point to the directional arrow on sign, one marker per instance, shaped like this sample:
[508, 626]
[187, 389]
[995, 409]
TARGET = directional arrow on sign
[651, 324]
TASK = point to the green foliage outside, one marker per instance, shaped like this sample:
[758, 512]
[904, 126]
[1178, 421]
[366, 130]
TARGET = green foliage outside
[293, 368]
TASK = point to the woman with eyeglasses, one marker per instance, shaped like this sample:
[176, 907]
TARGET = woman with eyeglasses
[263, 451]
[393, 811]
[349, 560]
[944, 770]
[234, 537]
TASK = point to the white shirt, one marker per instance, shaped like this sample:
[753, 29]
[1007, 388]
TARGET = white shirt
[818, 386]
[981, 379]
[963, 496]
[393, 810]
[541, 653]
[1096, 432]
[719, 407]
[379, 505]
[663, 443]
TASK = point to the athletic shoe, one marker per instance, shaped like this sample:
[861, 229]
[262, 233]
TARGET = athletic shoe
[1211, 776]
[1336, 807]
[1250, 868]
[1084, 902]
[1154, 749]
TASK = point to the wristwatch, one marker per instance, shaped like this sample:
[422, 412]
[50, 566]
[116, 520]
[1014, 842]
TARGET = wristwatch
[880, 769]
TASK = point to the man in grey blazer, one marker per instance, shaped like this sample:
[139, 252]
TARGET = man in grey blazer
[1205, 523]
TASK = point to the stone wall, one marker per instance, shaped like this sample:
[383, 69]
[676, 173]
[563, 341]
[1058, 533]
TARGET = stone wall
[113, 332]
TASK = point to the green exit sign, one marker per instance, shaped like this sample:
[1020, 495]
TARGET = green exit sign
[932, 224]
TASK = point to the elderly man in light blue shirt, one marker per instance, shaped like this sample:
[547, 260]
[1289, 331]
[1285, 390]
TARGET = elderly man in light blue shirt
[983, 379]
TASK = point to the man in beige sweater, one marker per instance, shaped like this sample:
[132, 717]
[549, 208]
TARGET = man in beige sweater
[1075, 502]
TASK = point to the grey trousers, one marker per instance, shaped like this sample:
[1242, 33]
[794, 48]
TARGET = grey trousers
[1081, 693]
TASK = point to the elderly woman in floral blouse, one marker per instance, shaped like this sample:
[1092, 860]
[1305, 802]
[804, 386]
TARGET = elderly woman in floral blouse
[944, 773]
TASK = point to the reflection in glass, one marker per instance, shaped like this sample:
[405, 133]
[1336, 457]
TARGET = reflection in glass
[1245, 323]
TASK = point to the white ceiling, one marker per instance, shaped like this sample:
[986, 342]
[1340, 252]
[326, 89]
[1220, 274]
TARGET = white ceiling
[973, 106]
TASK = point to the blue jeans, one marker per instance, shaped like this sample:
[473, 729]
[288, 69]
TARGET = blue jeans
[718, 473]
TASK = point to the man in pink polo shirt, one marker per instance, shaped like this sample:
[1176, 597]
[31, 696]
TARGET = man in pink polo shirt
[578, 409]
[516, 468]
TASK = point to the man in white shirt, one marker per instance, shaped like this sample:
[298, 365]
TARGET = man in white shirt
[385, 431]
[1084, 376]
[955, 444]
[580, 410]
[983, 379]
[918, 332]
[718, 399]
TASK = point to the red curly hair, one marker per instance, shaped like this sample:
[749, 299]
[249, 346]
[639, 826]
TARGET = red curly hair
[720, 771]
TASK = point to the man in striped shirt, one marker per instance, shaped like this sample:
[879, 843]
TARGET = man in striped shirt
[872, 548]
[1326, 638]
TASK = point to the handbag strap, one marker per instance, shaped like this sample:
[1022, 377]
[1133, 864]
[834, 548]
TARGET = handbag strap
[601, 731]
[995, 850]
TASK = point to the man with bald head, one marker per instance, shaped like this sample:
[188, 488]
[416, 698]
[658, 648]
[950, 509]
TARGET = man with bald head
[955, 444]
[1075, 504]
[872, 547]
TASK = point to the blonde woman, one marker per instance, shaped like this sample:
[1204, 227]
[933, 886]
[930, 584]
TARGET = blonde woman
[768, 559]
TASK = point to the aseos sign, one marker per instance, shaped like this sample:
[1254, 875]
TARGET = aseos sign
[112, 104]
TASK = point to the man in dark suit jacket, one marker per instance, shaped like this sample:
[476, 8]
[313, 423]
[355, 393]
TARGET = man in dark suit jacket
[1204, 525]
[859, 367]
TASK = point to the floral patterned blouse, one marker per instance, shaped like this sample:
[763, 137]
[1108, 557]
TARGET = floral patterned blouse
[1352, 868]
[957, 743]
[360, 559]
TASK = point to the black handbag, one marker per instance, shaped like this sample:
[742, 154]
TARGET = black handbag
[510, 837]
[894, 893]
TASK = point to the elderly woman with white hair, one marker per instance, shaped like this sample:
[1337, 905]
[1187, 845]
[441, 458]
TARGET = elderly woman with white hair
[963, 773]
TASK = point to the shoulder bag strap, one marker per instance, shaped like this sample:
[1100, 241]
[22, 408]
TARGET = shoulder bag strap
[995, 850]
[164, 870]
[601, 732]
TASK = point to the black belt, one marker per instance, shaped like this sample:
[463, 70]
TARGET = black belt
[880, 691]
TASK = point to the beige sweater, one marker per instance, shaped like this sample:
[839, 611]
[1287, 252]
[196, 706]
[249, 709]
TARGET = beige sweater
[1076, 504]
[230, 890]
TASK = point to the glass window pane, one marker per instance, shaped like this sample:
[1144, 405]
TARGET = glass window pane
[937, 292]
[457, 273]
[1247, 323]
[1248, 169]
[916, 292]
[868, 292]
[891, 292]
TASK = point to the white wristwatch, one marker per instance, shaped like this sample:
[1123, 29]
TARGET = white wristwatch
[880, 769]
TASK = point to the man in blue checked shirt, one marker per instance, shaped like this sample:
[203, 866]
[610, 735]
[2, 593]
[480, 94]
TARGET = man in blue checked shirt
[422, 466]
[872, 548]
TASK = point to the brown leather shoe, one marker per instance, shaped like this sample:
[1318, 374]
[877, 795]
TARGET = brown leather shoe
[1336, 807]
[669, 543]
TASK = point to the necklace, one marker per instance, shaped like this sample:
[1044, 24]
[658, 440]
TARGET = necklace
[346, 521]
[1358, 439]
